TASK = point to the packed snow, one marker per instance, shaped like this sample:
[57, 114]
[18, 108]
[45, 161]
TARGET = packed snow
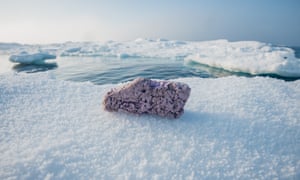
[244, 56]
[250, 57]
[233, 128]
[26, 58]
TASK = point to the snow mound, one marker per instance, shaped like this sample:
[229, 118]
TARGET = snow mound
[233, 128]
[250, 57]
[36, 58]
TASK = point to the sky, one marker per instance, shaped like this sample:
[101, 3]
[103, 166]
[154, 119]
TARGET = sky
[50, 21]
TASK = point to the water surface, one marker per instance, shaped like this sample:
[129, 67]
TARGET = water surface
[106, 70]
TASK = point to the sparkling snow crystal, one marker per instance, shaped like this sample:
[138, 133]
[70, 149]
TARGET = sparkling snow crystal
[233, 128]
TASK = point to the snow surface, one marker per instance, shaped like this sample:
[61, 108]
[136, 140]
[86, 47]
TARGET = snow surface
[244, 56]
[250, 57]
[233, 128]
[36, 58]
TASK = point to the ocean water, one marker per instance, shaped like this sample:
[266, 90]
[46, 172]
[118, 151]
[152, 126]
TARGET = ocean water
[110, 70]
[103, 70]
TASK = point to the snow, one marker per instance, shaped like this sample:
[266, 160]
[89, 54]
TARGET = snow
[233, 128]
[243, 56]
[36, 58]
[250, 57]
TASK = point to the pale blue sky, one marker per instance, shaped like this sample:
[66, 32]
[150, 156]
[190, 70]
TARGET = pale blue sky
[46, 21]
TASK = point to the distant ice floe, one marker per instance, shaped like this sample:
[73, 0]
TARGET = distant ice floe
[7, 46]
[26, 58]
[72, 50]
[244, 56]
[249, 57]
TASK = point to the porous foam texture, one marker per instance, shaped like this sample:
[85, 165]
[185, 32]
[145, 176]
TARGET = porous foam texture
[146, 96]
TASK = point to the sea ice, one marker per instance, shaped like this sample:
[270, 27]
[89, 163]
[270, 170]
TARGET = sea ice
[244, 56]
[250, 57]
[233, 128]
[36, 58]
[7, 46]
[72, 50]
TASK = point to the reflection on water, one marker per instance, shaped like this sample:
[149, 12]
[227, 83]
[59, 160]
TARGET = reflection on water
[212, 71]
[103, 70]
[32, 68]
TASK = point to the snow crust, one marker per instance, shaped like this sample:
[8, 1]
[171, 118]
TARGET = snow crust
[249, 57]
[26, 58]
[244, 56]
[233, 128]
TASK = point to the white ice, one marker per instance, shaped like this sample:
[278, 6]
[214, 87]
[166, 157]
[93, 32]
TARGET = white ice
[250, 57]
[7, 46]
[35, 58]
[233, 128]
[244, 56]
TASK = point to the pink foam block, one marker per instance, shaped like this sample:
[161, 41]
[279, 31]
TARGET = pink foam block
[146, 96]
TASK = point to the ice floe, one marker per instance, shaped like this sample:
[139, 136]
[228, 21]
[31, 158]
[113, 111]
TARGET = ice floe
[35, 58]
[233, 128]
[250, 57]
[243, 56]
[7, 46]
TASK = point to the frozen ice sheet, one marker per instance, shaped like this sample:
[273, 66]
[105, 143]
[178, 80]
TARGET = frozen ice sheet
[233, 128]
